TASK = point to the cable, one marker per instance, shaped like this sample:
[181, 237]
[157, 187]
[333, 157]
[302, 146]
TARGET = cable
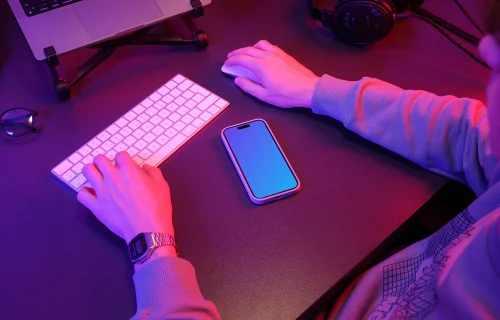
[447, 36]
[474, 23]
[446, 25]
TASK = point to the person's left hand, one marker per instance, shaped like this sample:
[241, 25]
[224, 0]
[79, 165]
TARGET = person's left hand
[126, 198]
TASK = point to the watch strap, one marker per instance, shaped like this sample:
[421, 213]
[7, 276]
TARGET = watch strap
[163, 239]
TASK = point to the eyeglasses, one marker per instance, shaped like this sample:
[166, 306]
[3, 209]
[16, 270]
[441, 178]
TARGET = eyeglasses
[17, 122]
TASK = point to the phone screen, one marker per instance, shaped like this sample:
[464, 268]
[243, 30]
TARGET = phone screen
[263, 165]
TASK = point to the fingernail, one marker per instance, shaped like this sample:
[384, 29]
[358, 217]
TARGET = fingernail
[237, 81]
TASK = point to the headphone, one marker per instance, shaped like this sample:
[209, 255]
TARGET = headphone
[361, 21]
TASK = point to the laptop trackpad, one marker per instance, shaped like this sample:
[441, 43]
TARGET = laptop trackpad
[106, 18]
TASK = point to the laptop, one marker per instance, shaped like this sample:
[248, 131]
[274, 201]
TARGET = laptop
[68, 25]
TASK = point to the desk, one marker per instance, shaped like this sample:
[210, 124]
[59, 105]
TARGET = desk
[254, 262]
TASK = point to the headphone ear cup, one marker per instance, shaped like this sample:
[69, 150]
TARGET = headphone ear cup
[362, 21]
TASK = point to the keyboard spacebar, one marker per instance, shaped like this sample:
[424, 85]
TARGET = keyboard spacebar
[157, 158]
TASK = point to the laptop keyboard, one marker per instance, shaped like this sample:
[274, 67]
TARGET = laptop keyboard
[151, 132]
[34, 7]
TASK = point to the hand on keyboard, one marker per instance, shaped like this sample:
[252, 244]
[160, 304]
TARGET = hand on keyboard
[126, 198]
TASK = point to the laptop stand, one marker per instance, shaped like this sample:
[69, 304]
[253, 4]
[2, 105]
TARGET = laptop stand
[63, 88]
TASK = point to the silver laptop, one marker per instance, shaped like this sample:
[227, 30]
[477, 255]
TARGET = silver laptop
[68, 25]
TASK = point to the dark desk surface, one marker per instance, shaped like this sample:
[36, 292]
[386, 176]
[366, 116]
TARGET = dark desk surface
[254, 262]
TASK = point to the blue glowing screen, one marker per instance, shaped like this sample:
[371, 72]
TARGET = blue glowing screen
[259, 158]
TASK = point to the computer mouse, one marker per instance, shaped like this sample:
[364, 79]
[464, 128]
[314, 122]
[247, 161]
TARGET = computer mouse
[237, 71]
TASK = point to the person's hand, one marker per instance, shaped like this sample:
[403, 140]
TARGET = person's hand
[126, 198]
[284, 81]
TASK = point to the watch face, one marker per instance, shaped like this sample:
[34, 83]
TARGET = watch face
[138, 246]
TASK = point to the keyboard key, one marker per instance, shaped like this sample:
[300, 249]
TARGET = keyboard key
[151, 111]
[147, 126]
[88, 159]
[195, 112]
[103, 136]
[85, 150]
[185, 85]
[138, 160]
[162, 139]
[144, 154]
[187, 95]
[75, 158]
[129, 140]
[141, 144]
[198, 98]
[179, 126]
[97, 152]
[164, 113]
[183, 110]
[120, 147]
[111, 154]
[69, 175]
[188, 130]
[158, 130]
[187, 119]
[176, 92]
[207, 102]
[108, 145]
[174, 117]
[171, 84]
[126, 131]
[155, 96]
[130, 116]
[134, 124]
[213, 109]
[63, 167]
[198, 122]
[155, 120]
[121, 122]
[172, 107]
[78, 168]
[139, 133]
[94, 143]
[166, 123]
[206, 116]
[190, 104]
[179, 78]
[167, 99]
[113, 129]
[180, 101]
[116, 138]
[153, 147]
[149, 137]
[163, 91]
[78, 181]
[147, 103]
[132, 151]
[160, 105]
[171, 132]
[143, 118]
[198, 89]
[139, 109]
[221, 103]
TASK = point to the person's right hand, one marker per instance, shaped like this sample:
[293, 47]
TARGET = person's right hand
[284, 81]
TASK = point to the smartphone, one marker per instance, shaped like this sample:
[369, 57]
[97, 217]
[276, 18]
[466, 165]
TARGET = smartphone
[260, 162]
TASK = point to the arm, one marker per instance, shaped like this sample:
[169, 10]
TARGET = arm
[446, 135]
[166, 288]
[130, 200]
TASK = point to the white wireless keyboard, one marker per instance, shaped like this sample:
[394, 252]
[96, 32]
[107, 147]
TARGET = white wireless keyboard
[150, 132]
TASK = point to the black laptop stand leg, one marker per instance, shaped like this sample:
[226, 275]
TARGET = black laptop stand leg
[199, 40]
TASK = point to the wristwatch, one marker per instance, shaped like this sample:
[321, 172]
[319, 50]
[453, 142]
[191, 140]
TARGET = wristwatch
[142, 246]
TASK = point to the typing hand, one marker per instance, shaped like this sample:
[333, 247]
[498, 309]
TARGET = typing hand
[284, 82]
[127, 199]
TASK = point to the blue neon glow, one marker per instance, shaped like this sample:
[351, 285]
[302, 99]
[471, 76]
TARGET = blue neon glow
[260, 160]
